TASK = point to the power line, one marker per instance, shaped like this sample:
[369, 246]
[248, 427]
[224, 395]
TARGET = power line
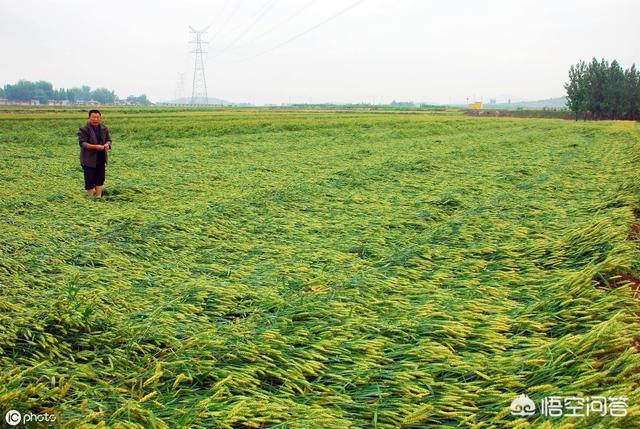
[266, 8]
[284, 21]
[219, 15]
[224, 24]
[297, 36]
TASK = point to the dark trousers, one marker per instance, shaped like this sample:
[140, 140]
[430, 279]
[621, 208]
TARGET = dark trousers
[94, 176]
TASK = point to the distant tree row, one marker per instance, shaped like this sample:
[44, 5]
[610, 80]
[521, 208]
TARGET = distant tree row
[140, 99]
[599, 90]
[43, 91]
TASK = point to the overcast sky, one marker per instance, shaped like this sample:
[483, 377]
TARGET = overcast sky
[377, 51]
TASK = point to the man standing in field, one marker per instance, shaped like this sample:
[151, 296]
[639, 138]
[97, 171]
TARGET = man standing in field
[95, 142]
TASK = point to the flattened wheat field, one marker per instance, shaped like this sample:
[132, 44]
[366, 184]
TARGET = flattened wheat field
[318, 269]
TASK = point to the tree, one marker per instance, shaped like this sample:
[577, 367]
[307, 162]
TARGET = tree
[43, 91]
[632, 92]
[595, 87]
[85, 93]
[576, 91]
[60, 94]
[82, 94]
[141, 99]
[103, 95]
[603, 91]
[73, 94]
[23, 90]
[614, 102]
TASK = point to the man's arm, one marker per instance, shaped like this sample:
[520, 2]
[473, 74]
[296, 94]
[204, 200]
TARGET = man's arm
[92, 146]
[107, 139]
[84, 141]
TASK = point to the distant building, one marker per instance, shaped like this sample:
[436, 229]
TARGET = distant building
[476, 105]
[19, 102]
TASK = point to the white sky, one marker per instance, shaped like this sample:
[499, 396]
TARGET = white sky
[381, 50]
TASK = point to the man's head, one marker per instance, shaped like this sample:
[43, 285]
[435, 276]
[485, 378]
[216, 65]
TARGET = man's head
[94, 117]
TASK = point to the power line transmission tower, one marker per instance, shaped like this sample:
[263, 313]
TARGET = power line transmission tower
[179, 93]
[199, 89]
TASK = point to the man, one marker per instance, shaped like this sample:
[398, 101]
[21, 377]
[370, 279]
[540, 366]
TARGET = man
[95, 143]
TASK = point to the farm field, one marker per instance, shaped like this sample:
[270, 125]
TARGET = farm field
[292, 269]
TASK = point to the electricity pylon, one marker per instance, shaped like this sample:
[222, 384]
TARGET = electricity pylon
[199, 89]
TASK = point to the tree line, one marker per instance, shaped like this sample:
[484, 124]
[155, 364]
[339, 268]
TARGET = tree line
[599, 90]
[43, 91]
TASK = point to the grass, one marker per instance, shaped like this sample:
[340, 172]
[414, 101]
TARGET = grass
[289, 269]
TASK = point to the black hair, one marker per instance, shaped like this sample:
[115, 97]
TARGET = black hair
[94, 111]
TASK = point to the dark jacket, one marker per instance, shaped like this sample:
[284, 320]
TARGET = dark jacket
[86, 136]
